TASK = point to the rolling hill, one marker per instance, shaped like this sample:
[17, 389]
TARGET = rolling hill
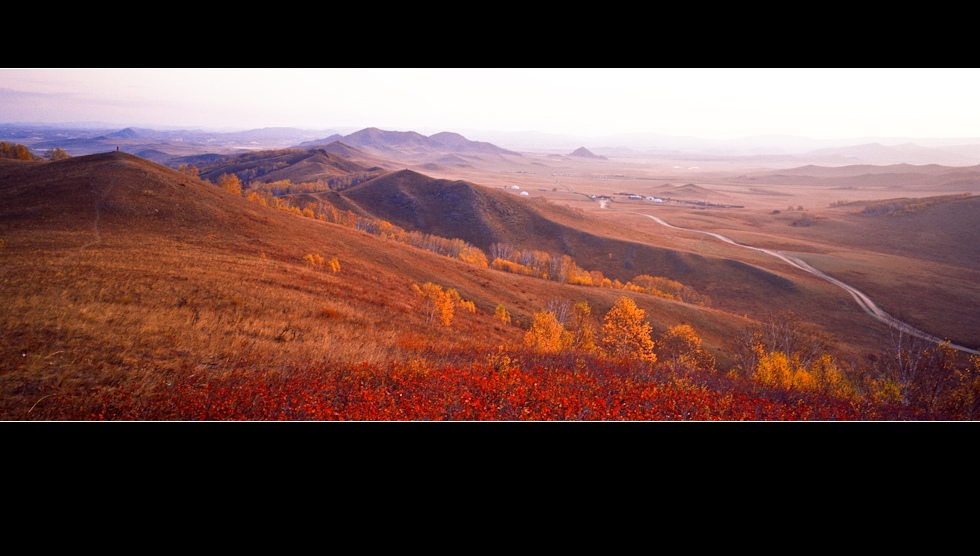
[294, 165]
[951, 179]
[583, 152]
[116, 269]
[483, 216]
[124, 281]
[390, 149]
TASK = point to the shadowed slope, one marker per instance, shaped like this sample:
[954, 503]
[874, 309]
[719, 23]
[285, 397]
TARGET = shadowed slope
[116, 269]
[294, 165]
[482, 216]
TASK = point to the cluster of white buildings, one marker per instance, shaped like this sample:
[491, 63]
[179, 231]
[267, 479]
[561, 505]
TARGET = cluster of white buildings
[632, 198]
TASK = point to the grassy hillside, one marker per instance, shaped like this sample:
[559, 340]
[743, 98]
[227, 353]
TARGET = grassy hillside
[483, 216]
[750, 285]
[133, 291]
[295, 165]
[917, 257]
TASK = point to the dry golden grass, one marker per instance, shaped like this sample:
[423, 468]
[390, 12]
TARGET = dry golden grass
[115, 270]
[919, 266]
[131, 271]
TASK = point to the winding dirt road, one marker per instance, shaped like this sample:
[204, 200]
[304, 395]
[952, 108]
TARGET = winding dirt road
[863, 300]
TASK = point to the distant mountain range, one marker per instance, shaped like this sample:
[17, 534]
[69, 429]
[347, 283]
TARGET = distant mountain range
[773, 149]
[778, 150]
[401, 143]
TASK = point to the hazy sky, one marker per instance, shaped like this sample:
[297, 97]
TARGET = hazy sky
[721, 103]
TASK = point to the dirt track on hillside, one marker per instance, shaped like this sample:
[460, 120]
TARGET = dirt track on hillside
[862, 299]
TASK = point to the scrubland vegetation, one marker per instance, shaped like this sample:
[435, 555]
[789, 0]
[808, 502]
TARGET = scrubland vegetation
[20, 152]
[906, 205]
[351, 318]
[526, 262]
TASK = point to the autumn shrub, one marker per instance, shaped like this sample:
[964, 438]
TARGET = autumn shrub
[500, 314]
[625, 333]
[583, 328]
[512, 267]
[474, 256]
[831, 378]
[680, 347]
[189, 169]
[313, 261]
[439, 304]
[230, 183]
[964, 399]
[546, 334]
[923, 374]
[498, 385]
[16, 151]
[823, 375]
[458, 301]
[500, 361]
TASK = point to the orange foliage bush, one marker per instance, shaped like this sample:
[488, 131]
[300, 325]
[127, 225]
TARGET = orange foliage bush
[625, 332]
[439, 304]
[546, 334]
[230, 183]
[313, 261]
[680, 347]
[502, 314]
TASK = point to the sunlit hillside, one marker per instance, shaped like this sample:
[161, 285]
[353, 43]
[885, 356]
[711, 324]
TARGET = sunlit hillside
[135, 291]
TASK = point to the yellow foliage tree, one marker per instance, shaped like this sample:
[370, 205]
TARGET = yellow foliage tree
[823, 374]
[334, 265]
[189, 169]
[502, 314]
[775, 369]
[474, 256]
[680, 346]
[583, 330]
[830, 378]
[547, 334]
[313, 261]
[626, 334]
[230, 183]
[256, 198]
[16, 151]
[435, 303]
[439, 304]
[459, 301]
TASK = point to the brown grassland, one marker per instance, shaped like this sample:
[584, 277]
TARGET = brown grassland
[118, 275]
